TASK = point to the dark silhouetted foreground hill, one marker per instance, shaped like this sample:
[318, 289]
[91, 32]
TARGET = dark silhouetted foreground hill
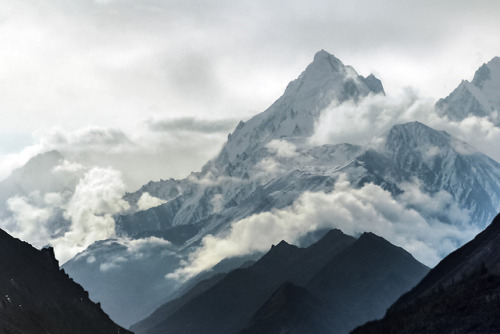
[37, 297]
[296, 290]
[460, 295]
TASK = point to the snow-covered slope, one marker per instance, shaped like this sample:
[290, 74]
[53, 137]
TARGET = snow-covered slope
[411, 152]
[440, 161]
[37, 297]
[325, 81]
[268, 163]
[480, 97]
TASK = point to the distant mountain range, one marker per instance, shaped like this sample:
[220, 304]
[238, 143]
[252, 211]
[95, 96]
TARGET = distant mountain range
[39, 298]
[241, 182]
[335, 284]
[268, 164]
[480, 97]
[460, 295]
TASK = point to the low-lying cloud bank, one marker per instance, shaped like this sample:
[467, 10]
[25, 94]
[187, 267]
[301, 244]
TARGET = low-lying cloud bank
[408, 221]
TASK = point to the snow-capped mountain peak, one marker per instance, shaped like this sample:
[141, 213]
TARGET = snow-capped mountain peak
[479, 97]
[487, 72]
[325, 82]
[443, 162]
[327, 78]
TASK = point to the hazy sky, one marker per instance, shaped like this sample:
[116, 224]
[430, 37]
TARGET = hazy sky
[157, 85]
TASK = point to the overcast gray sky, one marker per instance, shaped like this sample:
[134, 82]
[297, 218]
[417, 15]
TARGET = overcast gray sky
[174, 77]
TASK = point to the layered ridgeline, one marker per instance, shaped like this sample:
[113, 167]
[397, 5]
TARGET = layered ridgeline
[328, 287]
[37, 297]
[460, 295]
[267, 164]
[480, 97]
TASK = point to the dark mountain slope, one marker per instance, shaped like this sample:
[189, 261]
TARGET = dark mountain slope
[291, 310]
[460, 295]
[228, 306]
[365, 279]
[37, 297]
[483, 250]
[368, 273]
[471, 305]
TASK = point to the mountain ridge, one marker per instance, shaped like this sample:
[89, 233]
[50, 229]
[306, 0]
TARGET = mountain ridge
[459, 295]
[476, 98]
[243, 297]
[38, 297]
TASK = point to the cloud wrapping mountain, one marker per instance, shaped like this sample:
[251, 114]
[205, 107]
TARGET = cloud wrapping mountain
[281, 174]
[404, 221]
[72, 212]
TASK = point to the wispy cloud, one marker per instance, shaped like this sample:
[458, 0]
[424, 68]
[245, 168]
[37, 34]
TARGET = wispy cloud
[411, 222]
[360, 123]
[132, 250]
[142, 153]
[191, 124]
[146, 201]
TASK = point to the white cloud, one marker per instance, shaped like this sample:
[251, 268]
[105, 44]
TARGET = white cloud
[97, 197]
[356, 123]
[29, 222]
[479, 132]
[147, 201]
[132, 250]
[217, 202]
[354, 211]
[268, 168]
[109, 62]
[360, 123]
[440, 205]
[282, 148]
[193, 125]
[143, 151]
[72, 217]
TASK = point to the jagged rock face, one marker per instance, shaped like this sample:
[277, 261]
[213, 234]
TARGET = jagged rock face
[37, 297]
[480, 97]
[460, 295]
